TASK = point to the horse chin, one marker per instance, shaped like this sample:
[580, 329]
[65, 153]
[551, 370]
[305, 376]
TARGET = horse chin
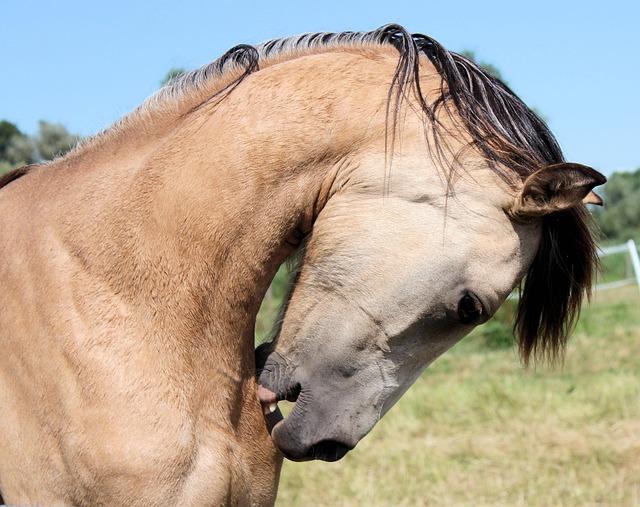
[285, 435]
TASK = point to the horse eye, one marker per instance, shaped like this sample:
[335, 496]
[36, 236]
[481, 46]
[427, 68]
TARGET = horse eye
[470, 309]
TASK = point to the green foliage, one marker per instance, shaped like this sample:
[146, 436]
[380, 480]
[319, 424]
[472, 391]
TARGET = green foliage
[7, 132]
[51, 141]
[619, 219]
[174, 73]
[271, 304]
[615, 267]
[21, 150]
[5, 167]
[498, 332]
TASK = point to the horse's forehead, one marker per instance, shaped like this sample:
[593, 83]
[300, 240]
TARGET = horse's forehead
[485, 187]
[471, 188]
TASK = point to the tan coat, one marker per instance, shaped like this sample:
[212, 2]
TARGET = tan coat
[132, 271]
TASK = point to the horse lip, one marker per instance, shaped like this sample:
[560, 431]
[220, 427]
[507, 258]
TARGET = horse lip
[274, 376]
[329, 450]
[314, 454]
[266, 395]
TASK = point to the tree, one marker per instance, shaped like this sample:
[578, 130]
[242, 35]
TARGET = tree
[7, 132]
[619, 218]
[21, 150]
[51, 141]
[5, 167]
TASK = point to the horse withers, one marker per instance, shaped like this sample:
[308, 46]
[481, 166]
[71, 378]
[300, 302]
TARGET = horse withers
[418, 190]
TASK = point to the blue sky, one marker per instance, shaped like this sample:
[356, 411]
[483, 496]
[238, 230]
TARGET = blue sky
[86, 63]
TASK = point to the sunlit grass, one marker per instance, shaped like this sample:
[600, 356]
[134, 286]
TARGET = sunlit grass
[616, 267]
[477, 429]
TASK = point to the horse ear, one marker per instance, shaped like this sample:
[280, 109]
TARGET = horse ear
[557, 187]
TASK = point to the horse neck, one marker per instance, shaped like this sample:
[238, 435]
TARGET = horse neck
[197, 229]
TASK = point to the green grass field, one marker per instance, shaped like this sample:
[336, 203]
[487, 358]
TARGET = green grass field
[478, 429]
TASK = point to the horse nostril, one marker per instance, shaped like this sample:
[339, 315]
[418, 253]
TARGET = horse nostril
[328, 450]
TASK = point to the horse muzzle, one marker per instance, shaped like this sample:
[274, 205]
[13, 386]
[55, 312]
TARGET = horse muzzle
[306, 433]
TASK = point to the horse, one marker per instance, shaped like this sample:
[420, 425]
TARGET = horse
[418, 192]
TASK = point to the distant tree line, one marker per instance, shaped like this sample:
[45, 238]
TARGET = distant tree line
[17, 148]
[619, 218]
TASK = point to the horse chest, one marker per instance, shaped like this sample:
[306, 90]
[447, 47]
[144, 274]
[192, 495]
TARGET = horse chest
[98, 413]
[124, 427]
[165, 437]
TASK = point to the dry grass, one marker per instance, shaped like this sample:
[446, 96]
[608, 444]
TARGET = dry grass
[477, 429]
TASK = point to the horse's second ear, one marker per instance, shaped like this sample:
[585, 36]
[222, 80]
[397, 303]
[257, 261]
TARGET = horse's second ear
[555, 188]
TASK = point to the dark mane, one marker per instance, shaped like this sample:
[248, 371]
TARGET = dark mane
[7, 178]
[560, 276]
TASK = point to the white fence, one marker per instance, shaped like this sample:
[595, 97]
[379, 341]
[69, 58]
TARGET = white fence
[630, 248]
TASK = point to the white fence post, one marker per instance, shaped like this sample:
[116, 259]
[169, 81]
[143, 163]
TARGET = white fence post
[628, 248]
[635, 261]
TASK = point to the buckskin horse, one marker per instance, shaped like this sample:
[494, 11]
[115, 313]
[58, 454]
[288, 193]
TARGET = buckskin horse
[419, 190]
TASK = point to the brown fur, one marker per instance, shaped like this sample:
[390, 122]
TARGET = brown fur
[133, 269]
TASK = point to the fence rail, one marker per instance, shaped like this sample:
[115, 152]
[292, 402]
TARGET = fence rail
[630, 248]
